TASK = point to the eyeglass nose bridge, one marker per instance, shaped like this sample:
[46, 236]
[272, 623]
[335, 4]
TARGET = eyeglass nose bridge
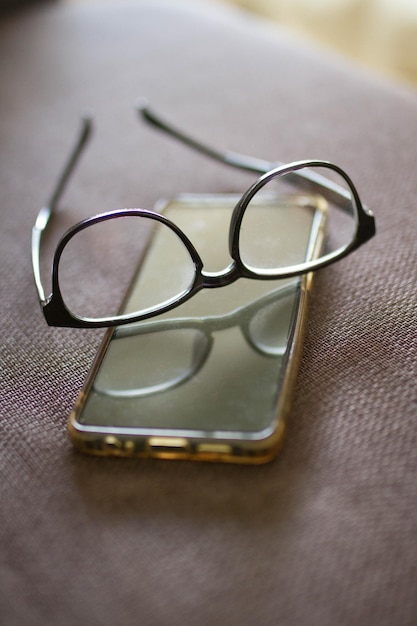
[211, 280]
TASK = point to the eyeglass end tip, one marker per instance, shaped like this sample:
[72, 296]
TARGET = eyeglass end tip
[142, 104]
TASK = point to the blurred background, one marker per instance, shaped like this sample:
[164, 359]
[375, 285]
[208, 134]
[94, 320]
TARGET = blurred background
[378, 33]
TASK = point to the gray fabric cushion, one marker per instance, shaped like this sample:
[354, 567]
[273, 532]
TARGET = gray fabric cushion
[327, 533]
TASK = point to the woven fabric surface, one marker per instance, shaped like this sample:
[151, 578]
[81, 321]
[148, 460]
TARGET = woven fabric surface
[326, 534]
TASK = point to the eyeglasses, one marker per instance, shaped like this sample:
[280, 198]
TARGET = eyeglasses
[255, 238]
[159, 355]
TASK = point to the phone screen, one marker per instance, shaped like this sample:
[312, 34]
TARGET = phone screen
[214, 366]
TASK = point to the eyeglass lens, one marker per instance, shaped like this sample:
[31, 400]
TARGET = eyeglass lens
[103, 259]
[266, 238]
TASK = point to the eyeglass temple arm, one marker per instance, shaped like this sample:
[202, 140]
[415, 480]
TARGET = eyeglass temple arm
[309, 181]
[48, 210]
[241, 161]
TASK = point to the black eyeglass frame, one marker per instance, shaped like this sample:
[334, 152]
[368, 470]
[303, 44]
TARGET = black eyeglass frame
[56, 312]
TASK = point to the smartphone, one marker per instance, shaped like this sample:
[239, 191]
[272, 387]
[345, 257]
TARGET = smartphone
[212, 379]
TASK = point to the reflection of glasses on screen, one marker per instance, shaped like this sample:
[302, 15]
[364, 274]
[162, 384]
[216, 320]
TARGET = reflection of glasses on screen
[255, 240]
[158, 355]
